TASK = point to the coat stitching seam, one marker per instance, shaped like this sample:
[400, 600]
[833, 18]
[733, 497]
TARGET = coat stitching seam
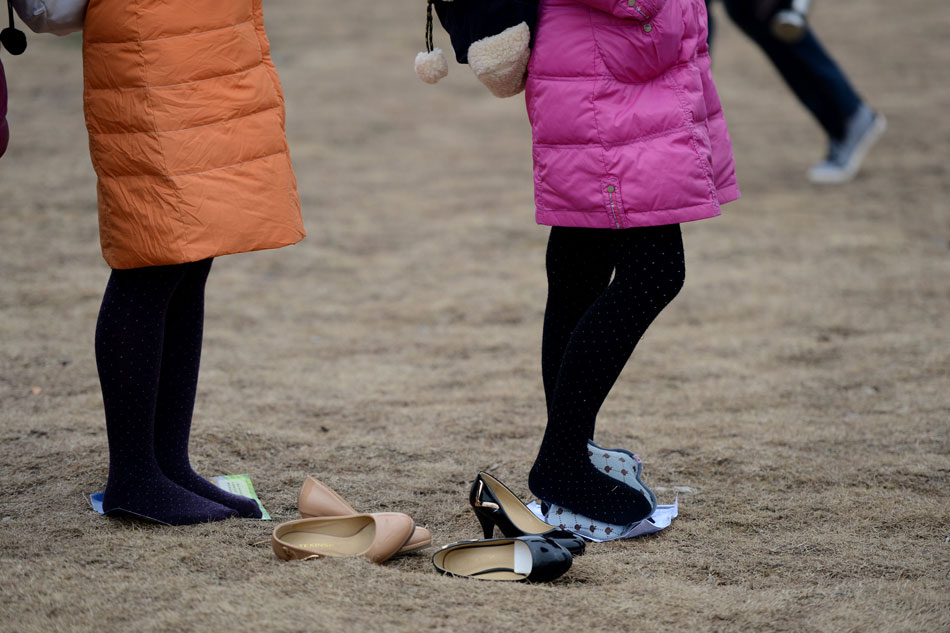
[161, 150]
[271, 72]
[172, 37]
[593, 105]
[184, 83]
[195, 173]
[609, 75]
[667, 210]
[188, 129]
[558, 78]
[633, 141]
[688, 118]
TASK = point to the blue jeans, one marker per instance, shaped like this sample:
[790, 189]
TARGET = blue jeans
[805, 66]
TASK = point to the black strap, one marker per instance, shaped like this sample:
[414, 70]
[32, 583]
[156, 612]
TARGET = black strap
[490, 571]
[429, 44]
[11, 38]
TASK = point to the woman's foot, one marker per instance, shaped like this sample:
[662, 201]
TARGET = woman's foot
[246, 507]
[576, 484]
[158, 498]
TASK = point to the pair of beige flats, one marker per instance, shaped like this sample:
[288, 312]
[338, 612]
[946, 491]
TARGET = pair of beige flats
[332, 528]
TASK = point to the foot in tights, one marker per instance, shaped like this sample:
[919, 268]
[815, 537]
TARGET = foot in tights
[177, 386]
[129, 341]
[588, 338]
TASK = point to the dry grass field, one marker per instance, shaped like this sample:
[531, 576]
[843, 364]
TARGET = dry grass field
[798, 388]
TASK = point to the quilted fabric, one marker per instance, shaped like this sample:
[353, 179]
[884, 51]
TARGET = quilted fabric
[185, 115]
[628, 129]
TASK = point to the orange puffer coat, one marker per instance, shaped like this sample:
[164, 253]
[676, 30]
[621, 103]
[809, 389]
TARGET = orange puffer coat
[186, 130]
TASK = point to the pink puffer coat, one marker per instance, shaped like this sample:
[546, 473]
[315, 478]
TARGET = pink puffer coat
[628, 128]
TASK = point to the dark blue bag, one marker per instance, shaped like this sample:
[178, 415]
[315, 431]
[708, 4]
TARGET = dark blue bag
[468, 21]
[494, 37]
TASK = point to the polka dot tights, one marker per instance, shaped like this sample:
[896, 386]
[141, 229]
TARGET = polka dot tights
[592, 324]
[148, 349]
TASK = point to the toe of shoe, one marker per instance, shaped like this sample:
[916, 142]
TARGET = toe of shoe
[419, 538]
[393, 530]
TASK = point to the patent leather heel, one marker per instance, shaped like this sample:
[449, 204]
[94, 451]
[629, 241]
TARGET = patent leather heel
[495, 505]
[488, 525]
[522, 559]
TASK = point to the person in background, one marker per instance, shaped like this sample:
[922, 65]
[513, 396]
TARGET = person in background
[818, 82]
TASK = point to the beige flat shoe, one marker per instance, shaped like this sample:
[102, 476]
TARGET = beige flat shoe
[316, 499]
[373, 536]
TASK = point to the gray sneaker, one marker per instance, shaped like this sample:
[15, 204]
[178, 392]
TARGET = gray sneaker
[845, 156]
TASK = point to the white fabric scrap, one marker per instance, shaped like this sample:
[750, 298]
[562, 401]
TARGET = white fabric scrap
[659, 520]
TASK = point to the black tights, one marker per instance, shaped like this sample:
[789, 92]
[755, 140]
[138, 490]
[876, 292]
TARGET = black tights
[148, 349]
[591, 326]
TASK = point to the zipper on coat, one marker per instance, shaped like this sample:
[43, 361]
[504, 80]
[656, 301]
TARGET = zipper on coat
[647, 27]
[613, 210]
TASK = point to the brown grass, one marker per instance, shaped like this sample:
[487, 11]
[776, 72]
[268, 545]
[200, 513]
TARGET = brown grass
[799, 384]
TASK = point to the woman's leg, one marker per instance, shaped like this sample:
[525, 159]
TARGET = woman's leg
[649, 273]
[178, 383]
[579, 267]
[129, 343]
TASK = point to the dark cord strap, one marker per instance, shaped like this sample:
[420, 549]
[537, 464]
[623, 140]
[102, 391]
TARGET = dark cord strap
[495, 569]
[429, 44]
[11, 38]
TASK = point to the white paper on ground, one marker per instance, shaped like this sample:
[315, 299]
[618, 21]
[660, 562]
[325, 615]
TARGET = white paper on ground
[659, 520]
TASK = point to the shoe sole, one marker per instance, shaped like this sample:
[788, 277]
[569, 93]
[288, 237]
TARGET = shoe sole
[415, 548]
[851, 170]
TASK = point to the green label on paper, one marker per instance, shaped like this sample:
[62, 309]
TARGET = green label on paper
[240, 485]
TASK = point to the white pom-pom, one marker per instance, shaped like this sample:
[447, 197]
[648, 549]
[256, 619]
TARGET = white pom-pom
[431, 67]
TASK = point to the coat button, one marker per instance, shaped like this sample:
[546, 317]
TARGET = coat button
[611, 189]
[647, 28]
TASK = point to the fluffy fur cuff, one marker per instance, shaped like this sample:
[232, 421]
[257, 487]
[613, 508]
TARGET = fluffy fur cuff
[501, 61]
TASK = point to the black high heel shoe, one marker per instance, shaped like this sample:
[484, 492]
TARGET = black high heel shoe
[524, 559]
[495, 504]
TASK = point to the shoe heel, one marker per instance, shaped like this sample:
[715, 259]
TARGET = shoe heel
[488, 524]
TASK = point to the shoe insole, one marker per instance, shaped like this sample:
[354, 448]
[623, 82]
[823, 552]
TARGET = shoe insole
[516, 510]
[346, 538]
[504, 561]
